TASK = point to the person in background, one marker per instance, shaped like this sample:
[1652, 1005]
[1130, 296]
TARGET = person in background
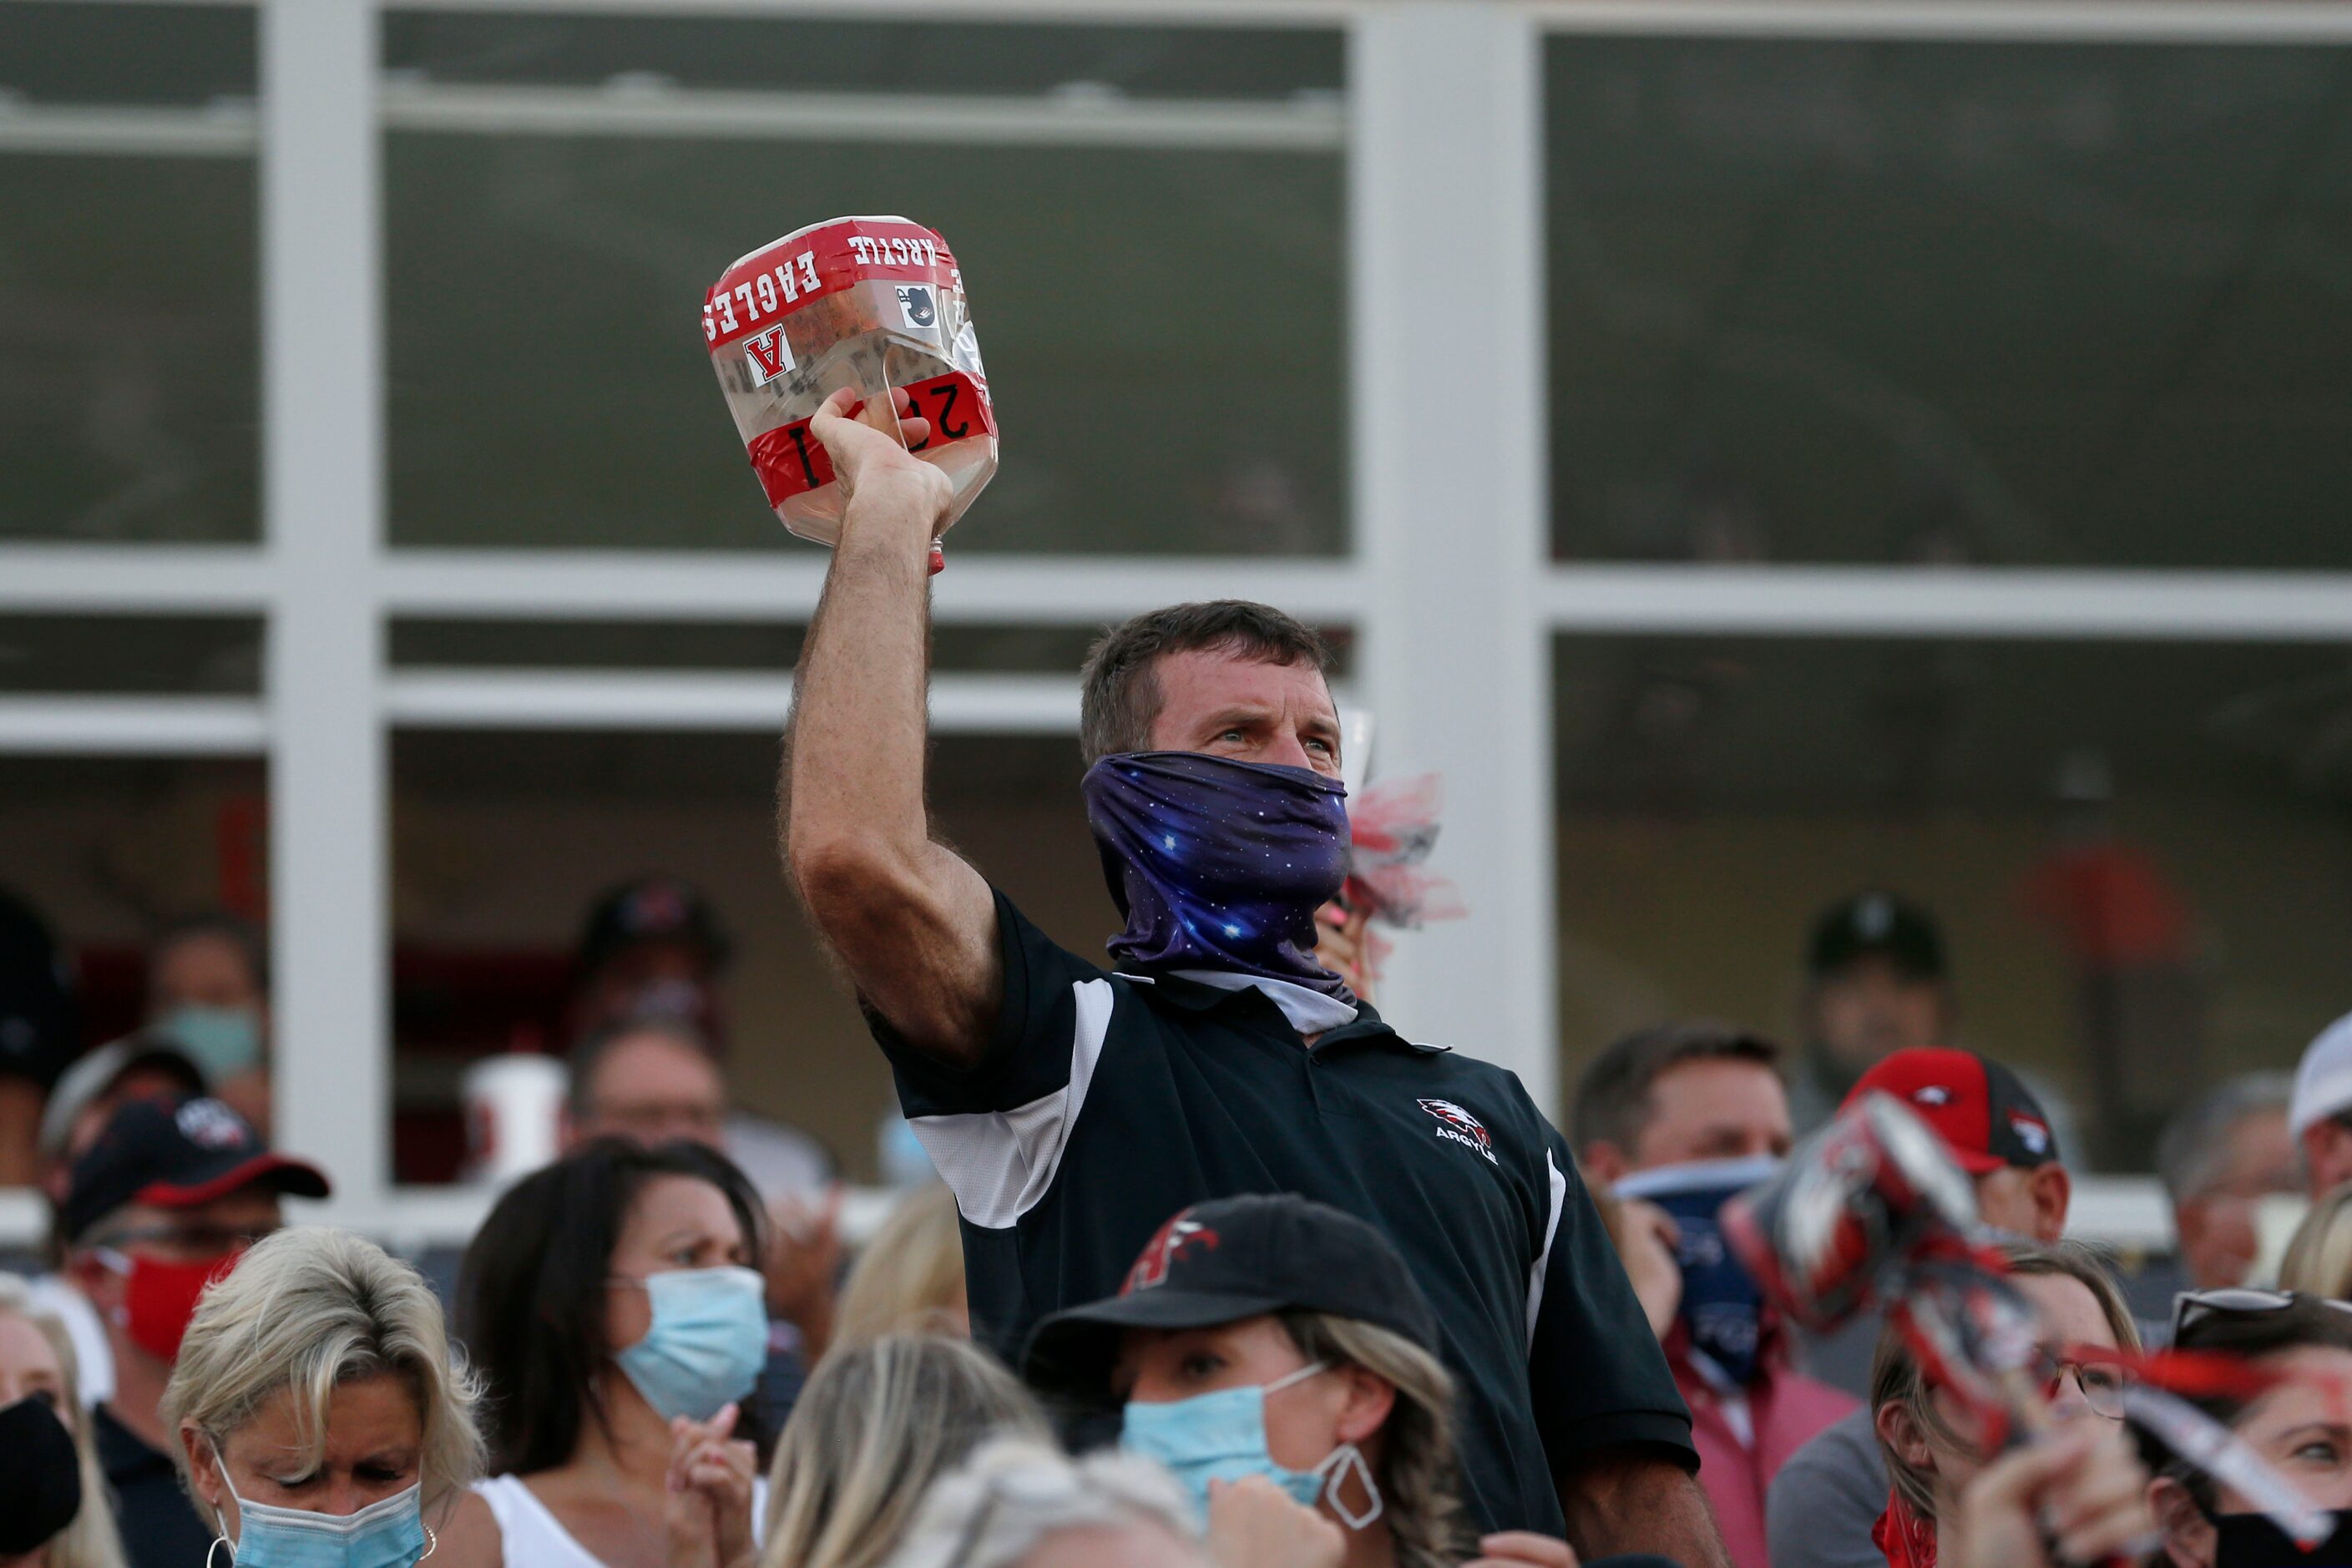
[2217, 1158]
[653, 950]
[2318, 1260]
[1821, 1507]
[2319, 1111]
[653, 1080]
[881, 1420]
[1021, 1504]
[142, 1066]
[320, 1413]
[40, 1031]
[1929, 1459]
[1875, 984]
[1676, 1120]
[2300, 1425]
[208, 989]
[909, 1278]
[53, 1512]
[165, 1201]
[1274, 1338]
[611, 1303]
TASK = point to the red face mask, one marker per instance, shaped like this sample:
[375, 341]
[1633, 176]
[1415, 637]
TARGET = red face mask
[159, 1297]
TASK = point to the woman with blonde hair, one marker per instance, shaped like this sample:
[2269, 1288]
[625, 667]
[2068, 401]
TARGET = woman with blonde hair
[2318, 1260]
[321, 1411]
[53, 1510]
[876, 1424]
[1930, 1460]
[909, 1278]
[1270, 1339]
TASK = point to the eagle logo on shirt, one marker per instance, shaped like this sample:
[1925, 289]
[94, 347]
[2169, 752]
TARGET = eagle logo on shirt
[1174, 1240]
[1459, 1126]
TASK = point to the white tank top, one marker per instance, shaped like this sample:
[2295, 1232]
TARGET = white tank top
[529, 1536]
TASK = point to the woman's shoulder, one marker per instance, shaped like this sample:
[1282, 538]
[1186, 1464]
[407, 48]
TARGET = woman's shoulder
[470, 1536]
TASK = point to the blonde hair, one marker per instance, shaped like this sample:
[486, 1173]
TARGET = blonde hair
[2318, 1260]
[1015, 1493]
[909, 1278]
[90, 1541]
[1895, 1376]
[307, 1308]
[1420, 1485]
[876, 1424]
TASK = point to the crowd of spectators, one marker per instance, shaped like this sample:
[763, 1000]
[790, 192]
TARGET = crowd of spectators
[1219, 1268]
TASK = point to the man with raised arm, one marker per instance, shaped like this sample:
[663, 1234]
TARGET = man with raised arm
[1072, 1107]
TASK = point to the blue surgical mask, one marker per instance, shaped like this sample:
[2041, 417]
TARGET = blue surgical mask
[1221, 1436]
[1722, 1305]
[221, 1041]
[387, 1534]
[708, 1341]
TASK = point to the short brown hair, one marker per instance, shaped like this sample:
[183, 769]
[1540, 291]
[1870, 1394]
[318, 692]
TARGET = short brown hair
[1612, 1098]
[1120, 696]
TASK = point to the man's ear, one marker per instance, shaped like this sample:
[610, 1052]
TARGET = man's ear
[1371, 1397]
[1604, 1162]
[2053, 1194]
[2189, 1537]
[1902, 1435]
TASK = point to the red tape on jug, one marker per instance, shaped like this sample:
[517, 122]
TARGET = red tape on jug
[867, 303]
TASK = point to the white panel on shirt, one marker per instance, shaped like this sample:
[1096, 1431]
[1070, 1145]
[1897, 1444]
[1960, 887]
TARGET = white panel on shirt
[1543, 1257]
[1001, 1163]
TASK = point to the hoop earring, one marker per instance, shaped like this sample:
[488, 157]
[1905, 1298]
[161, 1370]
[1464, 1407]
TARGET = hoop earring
[219, 1541]
[432, 1543]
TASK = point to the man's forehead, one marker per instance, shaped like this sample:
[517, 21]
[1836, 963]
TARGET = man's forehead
[1209, 677]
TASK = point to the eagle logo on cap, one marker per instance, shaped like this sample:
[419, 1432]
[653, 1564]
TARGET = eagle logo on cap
[209, 1124]
[1175, 1238]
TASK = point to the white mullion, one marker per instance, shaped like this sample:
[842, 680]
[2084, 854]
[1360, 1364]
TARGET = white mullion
[1981, 602]
[1449, 484]
[322, 497]
[163, 578]
[698, 700]
[114, 726]
[1955, 21]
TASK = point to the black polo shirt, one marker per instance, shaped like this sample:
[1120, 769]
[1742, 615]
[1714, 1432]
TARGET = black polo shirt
[160, 1526]
[1106, 1102]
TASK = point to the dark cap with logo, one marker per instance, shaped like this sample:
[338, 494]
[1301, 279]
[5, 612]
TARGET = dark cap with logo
[651, 909]
[1227, 1260]
[1876, 924]
[1983, 1113]
[175, 1154]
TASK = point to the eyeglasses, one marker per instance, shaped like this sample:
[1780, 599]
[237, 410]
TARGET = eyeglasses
[2101, 1384]
[2193, 1307]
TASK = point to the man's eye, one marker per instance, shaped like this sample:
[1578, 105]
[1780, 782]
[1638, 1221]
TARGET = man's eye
[1322, 746]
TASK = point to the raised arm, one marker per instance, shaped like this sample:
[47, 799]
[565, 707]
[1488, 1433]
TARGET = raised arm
[914, 924]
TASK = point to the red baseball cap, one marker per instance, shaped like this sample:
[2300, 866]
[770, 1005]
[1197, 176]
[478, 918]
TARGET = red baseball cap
[1983, 1113]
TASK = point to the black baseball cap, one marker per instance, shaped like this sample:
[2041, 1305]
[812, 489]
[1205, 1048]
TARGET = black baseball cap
[175, 1154]
[1231, 1259]
[1877, 924]
[651, 909]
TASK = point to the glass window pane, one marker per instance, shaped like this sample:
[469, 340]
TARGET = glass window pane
[1932, 301]
[129, 368]
[2138, 853]
[502, 841]
[1162, 327]
[876, 57]
[161, 654]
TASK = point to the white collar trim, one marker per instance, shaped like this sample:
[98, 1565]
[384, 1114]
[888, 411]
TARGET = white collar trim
[1309, 1012]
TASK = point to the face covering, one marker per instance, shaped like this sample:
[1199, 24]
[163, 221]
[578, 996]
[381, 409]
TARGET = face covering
[706, 1344]
[1722, 1306]
[1218, 863]
[159, 1297]
[1221, 1436]
[41, 1484]
[2251, 1540]
[386, 1534]
[222, 1041]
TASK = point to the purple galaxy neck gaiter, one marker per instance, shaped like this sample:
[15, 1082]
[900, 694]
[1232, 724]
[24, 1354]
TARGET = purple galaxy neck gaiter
[1218, 863]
